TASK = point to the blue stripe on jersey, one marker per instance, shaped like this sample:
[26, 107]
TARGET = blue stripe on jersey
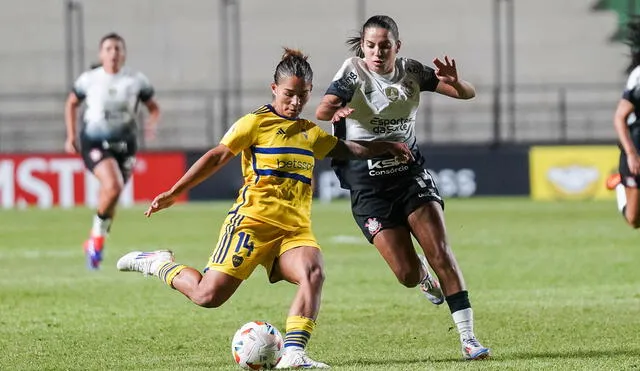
[244, 200]
[281, 150]
[282, 174]
[254, 163]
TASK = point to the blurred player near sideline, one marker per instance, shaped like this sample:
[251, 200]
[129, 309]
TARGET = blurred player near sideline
[627, 126]
[108, 140]
[375, 96]
[269, 224]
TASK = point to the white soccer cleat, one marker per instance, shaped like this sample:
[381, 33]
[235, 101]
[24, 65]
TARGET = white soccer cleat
[473, 350]
[146, 263]
[430, 286]
[297, 358]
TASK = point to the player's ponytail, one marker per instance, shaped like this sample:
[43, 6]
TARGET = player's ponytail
[633, 40]
[293, 63]
[377, 21]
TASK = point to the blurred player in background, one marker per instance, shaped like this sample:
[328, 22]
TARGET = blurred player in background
[270, 222]
[627, 128]
[375, 96]
[108, 142]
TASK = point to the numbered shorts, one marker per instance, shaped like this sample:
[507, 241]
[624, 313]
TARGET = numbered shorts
[123, 151]
[245, 243]
[378, 209]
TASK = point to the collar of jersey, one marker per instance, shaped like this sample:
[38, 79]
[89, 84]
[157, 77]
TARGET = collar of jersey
[270, 107]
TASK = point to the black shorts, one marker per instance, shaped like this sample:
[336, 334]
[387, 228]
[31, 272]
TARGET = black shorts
[378, 209]
[123, 151]
[628, 179]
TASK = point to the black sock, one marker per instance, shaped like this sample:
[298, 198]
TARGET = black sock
[103, 216]
[458, 301]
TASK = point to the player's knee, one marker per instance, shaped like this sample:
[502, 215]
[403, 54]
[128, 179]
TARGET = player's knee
[113, 187]
[408, 277]
[315, 276]
[208, 300]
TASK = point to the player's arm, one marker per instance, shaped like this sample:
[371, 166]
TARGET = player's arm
[329, 105]
[445, 80]
[333, 105]
[70, 119]
[624, 109]
[206, 166]
[240, 136]
[76, 96]
[147, 97]
[352, 150]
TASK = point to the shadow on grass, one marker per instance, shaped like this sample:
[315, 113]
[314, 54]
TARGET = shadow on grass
[577, 354]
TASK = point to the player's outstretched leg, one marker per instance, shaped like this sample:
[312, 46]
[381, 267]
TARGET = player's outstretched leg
[429, 285]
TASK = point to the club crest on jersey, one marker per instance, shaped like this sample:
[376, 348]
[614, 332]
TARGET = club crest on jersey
[392, 93]
[237, 260]
[373, 226]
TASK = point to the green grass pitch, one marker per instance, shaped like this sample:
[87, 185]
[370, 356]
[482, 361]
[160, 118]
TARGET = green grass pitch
[553, 286]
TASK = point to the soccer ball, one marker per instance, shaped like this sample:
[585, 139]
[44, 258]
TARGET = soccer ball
[257, 345]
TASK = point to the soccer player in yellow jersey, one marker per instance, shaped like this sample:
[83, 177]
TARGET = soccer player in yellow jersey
[269, 224]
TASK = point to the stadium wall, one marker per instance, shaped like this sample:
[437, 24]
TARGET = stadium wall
[544, 172]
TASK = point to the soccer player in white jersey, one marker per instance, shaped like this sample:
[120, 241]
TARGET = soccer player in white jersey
[108, 142]
[375, 96]
[627, 126]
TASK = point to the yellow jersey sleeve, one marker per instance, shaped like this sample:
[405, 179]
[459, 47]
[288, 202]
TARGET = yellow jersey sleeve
[242, 134]
[324, 142]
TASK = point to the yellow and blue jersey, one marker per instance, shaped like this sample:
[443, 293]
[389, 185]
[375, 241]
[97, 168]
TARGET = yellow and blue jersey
[278, 157]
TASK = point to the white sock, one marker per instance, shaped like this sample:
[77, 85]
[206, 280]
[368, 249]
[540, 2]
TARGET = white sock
[621, 196]
[100, 226]
[464, 322]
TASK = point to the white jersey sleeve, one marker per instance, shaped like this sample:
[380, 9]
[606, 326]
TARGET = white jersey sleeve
[345, 82]
[81, 85]
[632, 89]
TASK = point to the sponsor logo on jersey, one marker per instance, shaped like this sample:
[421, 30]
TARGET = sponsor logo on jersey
[294, 164]
[387, 126]
[346, 82]
[373, 226]
[386, 167]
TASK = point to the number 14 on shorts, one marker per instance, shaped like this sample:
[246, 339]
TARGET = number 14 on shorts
[244, 242]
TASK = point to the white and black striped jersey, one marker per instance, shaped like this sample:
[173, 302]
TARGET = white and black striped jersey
[111, 101]
[385, 108]
[632, 94]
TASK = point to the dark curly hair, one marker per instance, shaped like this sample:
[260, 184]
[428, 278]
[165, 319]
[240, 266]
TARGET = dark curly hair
[633, 41]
